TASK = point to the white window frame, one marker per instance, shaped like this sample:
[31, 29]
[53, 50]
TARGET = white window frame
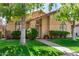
[63, 27]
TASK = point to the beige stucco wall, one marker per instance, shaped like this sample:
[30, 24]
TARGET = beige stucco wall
[77, 28]
[68, 24]
[44, 25]
[45, 28]
[27, 25]
[1, 30]
[54, 24]
[32, 24]
[11, 26]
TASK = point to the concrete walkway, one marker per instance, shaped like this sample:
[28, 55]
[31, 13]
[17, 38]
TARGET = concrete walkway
[66, 51]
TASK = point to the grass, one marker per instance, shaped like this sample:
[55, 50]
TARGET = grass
[73, 45]
[32, 47]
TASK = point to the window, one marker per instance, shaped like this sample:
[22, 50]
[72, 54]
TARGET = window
[38, 27]
[62, 27]
[17, 25]
[37, 24]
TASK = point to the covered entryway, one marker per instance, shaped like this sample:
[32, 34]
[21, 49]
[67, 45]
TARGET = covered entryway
[39, 27]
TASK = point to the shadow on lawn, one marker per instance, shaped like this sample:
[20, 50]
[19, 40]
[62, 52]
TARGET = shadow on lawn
[25, 51]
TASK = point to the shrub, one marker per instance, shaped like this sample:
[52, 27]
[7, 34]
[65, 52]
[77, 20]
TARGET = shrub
[16, 34]
[58, 34]
[31, 33]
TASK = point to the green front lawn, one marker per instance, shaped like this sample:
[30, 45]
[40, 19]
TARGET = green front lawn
[32, 48]
[73, 45]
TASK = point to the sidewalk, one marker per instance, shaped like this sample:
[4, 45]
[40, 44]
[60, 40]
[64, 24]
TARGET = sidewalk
[66, 51]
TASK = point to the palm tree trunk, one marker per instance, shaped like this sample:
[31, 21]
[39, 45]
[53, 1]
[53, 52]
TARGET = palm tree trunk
[73, 31]
[22, 37]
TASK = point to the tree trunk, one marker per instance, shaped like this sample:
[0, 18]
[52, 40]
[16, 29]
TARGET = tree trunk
[73, 31]
[22, 37]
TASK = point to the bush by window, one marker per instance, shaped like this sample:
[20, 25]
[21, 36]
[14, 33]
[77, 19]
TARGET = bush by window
[16, 34]
[58, 34]
[31, 33]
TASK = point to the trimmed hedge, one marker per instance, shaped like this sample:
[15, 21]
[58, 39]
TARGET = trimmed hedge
[31, 33]
[25, 51]
[58, 34]
[16, 34]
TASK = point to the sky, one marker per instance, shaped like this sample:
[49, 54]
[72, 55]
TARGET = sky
[58, 5]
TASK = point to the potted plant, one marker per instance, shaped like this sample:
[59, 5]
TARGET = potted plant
[46, 36]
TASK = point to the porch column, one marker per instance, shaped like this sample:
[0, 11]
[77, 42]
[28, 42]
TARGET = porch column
[45, 25]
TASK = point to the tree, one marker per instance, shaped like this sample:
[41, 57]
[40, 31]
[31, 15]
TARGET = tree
[18, 11]
[68, 12]
[21, 10]
[51, 5]
[5, 12]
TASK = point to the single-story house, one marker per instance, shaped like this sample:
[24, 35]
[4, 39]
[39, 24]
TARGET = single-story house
[42, 22]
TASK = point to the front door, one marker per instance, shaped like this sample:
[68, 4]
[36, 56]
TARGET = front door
[38, 27]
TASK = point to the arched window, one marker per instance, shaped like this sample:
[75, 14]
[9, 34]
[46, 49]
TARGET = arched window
[63, 27]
